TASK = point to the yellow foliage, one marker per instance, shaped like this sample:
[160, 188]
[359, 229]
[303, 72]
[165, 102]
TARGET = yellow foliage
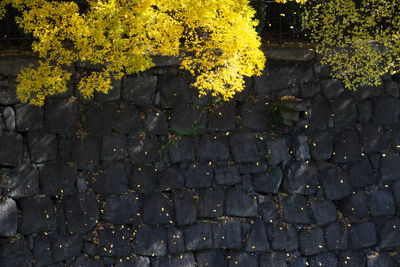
[216, 41]
[360, 42]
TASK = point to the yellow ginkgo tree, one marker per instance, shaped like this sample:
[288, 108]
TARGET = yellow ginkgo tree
[359, 40]
[215, 40]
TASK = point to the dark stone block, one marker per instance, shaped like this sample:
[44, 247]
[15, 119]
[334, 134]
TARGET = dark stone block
[143, 150]
[157, 209]
[363, 235]
[61, 115]
[185, 260]
[326, 259]
[243, 260]
[81, 212]
[344, 110]
[284, 239]
[139, 88]
[282, 74]
[176, 241]
[114, 242]
[392, 88]
[185, 209]
[113, 148]
[381, 203]
[8, 217]
[155, 122]
[274, 259]
[86, 153]
[243, 147]
[396, 193]
[8, 95]
[258, 239]
[383, 259]
[331, 87]
[386, 110]
[15, 253]
[320, 114]
[337, 236]
[227, 235]
[374, 139]
[361, 174]
[65, 247]
[351, 258]
[322, 146]
[298, 262]
[28, 117]
[365, 92]
[210, 203]
[355, 206]
[134, 261]
[309, 90]
[211, 258]
[23, 182]
[128, 120]
[99, 120]
[171, 178]
[42, 250]
[364, 111]
[300, 178]
[267, 209]
[64, 149]
[143, 179]
[37, 215]
[12, 149]
[390, 167]
[311, 241]
[121, 209]
[187, 120]
[84, 260]
[347, 146]
[151, 241]
[227, 175]
[111, 180]
[222, 117]
[302, 148]
[254, 167]
[199, 175]
[335, 183]
[296, 210]
[277, 151]
[240, 204]
[389, 234]
[212, 148]
[181, 150]
[198, 237]
[324, 211]
[9, 118]
[255, 115]
[174, 90]
[58, 178]
[42, 147]
[268, 182]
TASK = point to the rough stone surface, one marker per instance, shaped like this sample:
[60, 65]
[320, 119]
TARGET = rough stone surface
[294, 171]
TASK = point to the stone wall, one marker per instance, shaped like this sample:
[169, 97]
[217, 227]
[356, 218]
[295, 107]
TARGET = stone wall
[295, 171]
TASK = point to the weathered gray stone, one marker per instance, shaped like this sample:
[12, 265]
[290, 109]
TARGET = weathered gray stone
[302, 148]
[320, 113]
[335, 183]
[277, 151]
[268, 182]
[322, 145]
[283, 74]
[347, 146]
[8, 217]
[9, 118]
[331, 87]
[390, 167]
[139, 88]
[386, 110]
[28, 117]
[11, 149]
[344, 110]
[300, 178]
